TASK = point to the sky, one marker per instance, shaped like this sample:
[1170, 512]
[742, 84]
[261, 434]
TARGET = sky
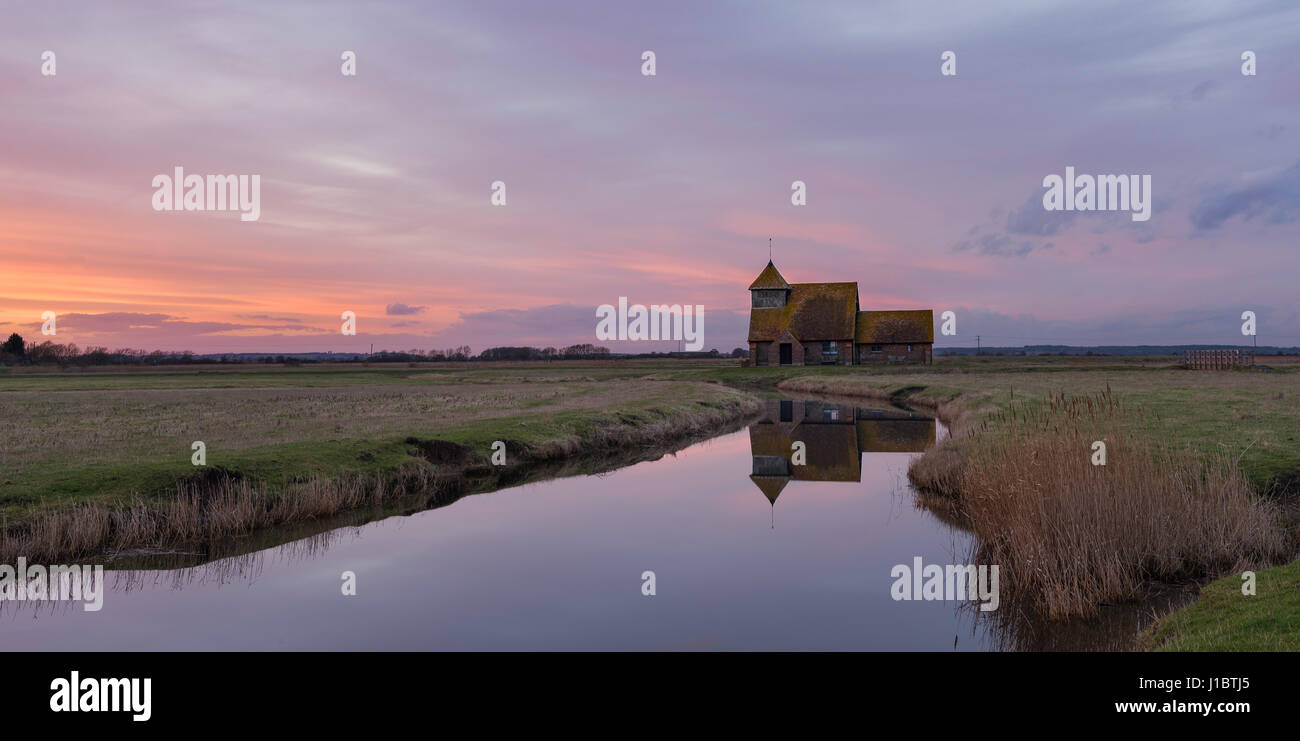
[376, 188]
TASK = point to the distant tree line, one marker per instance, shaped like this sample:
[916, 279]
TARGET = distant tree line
[572, 352]
[15, 351]
[415, 355]
[592, 352]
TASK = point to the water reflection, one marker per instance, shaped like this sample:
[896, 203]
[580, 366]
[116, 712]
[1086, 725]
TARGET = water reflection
[556, 564]
[834, 437]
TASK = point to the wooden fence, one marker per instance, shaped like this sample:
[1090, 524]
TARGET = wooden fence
[1218, 359]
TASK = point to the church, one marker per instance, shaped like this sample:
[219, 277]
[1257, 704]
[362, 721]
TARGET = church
[822, 324]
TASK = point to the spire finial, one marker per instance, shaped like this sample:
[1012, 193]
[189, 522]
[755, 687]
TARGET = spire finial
[769, 249]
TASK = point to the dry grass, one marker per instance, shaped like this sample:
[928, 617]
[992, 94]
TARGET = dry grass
[1069, 535]
[214, 506]
[107, 426]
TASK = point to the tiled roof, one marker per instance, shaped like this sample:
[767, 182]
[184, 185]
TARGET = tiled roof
[831, 449]
[892, 326]
[814, 312]
[769, 278]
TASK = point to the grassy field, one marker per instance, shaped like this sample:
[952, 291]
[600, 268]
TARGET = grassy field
[79, 433]
[117, 436]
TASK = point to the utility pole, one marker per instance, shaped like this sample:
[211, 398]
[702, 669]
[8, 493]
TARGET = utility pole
[977, 344]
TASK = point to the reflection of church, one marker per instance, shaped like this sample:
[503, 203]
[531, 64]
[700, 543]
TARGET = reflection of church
[834, 438]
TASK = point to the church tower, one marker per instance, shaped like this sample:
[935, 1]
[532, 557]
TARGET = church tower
[769, 290]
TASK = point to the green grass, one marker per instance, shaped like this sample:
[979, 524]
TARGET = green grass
[1224, 619]
[112, 437]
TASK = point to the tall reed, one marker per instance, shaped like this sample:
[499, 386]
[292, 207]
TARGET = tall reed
[208, 508]
[1069, 534]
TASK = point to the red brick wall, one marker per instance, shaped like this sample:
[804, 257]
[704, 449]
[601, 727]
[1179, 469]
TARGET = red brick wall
[813, 353]
[800, 352]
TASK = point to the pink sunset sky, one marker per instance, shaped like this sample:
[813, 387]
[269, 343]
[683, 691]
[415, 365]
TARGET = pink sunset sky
[375, 188]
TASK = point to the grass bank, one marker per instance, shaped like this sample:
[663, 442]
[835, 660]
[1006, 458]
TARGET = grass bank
[108, 468]
[1227, 619]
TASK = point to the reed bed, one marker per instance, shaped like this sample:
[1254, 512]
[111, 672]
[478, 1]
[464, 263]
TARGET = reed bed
[212, 507]
[1069, 534]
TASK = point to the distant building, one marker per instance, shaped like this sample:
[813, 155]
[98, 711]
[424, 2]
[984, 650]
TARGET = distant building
[821, 324]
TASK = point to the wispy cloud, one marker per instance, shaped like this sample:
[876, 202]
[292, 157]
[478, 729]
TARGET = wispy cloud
[400, 309]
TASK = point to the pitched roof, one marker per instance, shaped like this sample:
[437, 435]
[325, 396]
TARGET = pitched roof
[813, 312]
[771, 486]
[893, 326]
[769, 278]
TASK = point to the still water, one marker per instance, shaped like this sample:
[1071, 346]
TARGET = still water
[748, 552]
